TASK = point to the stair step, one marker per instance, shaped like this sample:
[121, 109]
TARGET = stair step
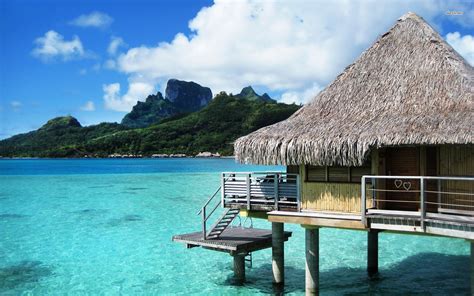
[223, 222]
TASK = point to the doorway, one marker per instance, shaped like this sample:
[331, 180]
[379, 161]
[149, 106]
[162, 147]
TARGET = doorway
[403, 194]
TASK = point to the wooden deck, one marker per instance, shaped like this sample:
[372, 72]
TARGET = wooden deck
[435, 223]
[234, 240]
[321, 219]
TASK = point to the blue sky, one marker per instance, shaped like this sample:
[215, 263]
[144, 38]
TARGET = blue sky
[56, 57]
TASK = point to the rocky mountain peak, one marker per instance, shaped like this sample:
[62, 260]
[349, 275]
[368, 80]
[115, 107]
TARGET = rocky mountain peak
[181, 97]
[249, 93]
[187, 96]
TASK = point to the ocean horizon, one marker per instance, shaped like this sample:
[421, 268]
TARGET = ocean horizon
[104, 226]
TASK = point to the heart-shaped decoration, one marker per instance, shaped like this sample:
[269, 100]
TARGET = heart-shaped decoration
[398, 183]
[407, 185]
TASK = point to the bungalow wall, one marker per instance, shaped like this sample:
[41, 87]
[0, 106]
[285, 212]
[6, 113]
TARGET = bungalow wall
[442, 160]
[344, 196]
[330, 196]
[457, 160]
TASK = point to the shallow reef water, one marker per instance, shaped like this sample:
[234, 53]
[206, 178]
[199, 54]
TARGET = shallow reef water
[73, 227]
[22, 274]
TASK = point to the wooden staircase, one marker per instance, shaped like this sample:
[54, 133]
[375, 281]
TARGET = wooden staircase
[222, 222]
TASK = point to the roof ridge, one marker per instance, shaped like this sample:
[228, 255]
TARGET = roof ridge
[447, 50]
[410, 15]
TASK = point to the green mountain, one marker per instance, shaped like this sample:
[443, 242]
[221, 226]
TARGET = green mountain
[181, 97]
[249, 94]
[187, 96]
[154, 109]
[59, 137]
[213, 128]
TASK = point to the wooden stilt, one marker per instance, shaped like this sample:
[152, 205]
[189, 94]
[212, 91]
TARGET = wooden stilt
[372, 252]
[472, 267]
[312, 261]
[239, 267]
[278, 253]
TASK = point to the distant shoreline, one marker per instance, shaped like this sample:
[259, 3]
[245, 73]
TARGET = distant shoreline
[144, 157]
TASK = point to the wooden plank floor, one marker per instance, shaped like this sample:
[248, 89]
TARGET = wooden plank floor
[233, 240]
[434, 217]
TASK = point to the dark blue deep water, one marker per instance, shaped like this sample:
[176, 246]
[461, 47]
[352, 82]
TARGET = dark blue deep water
[123, 166]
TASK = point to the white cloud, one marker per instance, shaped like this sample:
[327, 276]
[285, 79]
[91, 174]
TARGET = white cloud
[462, 44]
[88, 106]
[83, 71]
[300, 97]
[94, 19]
[114, 45]
[287, 47]
[16, 105]
[137, 91]
[53, 45]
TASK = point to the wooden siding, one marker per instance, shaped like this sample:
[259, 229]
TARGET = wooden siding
[327, 196]
[457, 161]
[403, 161]
[444, 160]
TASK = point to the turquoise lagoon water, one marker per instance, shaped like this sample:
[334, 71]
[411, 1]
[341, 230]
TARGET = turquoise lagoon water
[104, 227]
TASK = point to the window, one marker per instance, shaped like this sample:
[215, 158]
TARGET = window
[358, 172]
[316, 173]
[293, 169]
[337, 174]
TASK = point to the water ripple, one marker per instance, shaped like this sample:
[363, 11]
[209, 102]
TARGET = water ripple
[11, 216]
[124, 220]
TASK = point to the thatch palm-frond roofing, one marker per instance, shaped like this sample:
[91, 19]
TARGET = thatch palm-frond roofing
[409, 88]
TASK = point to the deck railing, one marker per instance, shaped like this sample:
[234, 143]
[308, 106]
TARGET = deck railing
[425, 194]
[261, 190]
[213, 203]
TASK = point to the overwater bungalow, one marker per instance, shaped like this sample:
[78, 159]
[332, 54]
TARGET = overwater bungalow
[387, 146]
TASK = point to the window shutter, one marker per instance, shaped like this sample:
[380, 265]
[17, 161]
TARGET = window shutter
[316, 173]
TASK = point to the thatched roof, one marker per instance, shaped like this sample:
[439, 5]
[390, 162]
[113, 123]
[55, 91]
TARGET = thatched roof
[409, 88]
